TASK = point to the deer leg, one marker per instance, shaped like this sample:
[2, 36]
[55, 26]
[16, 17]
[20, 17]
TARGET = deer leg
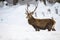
[53, 29]
[49, 26]
[36, 29]
[49, 29]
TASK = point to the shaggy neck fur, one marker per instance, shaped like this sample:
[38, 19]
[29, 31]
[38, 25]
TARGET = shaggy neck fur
[31, 20]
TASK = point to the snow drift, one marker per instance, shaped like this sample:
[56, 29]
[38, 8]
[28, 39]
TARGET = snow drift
[14, 25]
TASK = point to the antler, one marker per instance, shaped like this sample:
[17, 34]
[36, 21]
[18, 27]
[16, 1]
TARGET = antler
[32, 11]
[35, 8]
[27, 8]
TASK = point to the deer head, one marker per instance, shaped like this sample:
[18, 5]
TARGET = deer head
[28, 13]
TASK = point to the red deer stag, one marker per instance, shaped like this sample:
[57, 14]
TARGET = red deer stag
[40, 23]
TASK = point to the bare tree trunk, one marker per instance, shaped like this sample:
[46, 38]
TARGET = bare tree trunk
[15, 2]
[2, 3]
[2, 0]
[58, 1]
[53, 1]
[56, 11]
[44, 1]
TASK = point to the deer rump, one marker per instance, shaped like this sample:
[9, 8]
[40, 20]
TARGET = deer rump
[42, 24]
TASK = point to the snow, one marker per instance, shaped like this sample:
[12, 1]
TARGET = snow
[14, 25]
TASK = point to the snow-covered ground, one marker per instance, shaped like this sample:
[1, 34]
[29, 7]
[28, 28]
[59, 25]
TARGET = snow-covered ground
[14, 25]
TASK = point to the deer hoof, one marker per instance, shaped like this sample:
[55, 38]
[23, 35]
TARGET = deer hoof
[49, 29]
[37, 29]
[53, 30]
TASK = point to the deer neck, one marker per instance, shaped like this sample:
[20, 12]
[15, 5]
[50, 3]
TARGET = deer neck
[32, 18]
